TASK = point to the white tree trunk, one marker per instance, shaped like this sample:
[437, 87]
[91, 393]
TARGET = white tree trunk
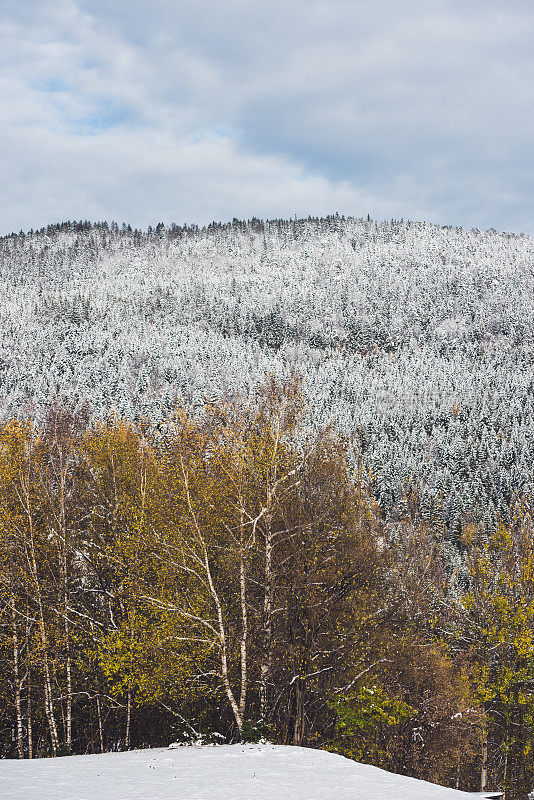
[484, 754]
[267, 632]
[244, 621]
[128, 719]
[17, 682]
[100, 731]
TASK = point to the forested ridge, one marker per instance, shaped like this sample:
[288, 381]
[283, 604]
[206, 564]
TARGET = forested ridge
[416, 339]
[270, 479]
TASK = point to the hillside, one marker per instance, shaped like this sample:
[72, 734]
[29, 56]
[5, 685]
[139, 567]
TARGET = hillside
[235, 772]
[417, 340]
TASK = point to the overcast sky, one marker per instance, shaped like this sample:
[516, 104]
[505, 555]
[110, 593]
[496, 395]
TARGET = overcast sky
[195, 110]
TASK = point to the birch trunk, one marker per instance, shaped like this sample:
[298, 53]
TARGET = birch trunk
[18, 706]
[69, 704]
[30, 717]
[64, 578]
[48, 696]
[223, 649]
[267, 633]
[29, 711]
[244, 621]
[298, 732]
[506, 762]
[128, 718]
[484, 754]
[223, 646]
[100, 731]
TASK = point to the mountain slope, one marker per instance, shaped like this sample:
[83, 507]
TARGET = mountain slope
[418, 341]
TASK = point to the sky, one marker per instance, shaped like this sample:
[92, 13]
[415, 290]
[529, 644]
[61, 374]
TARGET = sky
[200, 110]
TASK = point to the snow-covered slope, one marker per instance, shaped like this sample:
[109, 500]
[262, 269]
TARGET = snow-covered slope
[236, 772]
[417, 340]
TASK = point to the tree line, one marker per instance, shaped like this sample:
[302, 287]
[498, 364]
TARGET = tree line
[227, 575]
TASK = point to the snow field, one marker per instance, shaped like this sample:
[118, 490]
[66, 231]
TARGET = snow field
[229, 772]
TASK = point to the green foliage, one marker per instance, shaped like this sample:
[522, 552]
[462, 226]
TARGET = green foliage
[121, 656]
[362, 720]
[255, 731]
[498, 624]
[370, 708]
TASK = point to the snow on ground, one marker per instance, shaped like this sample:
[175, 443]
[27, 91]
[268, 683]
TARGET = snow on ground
[229, 772]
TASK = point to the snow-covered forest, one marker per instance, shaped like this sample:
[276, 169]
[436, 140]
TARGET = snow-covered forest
[416, 340]
[189, 549]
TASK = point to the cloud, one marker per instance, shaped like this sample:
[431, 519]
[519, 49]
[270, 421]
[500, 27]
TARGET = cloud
[145, 177]
[206, 110]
